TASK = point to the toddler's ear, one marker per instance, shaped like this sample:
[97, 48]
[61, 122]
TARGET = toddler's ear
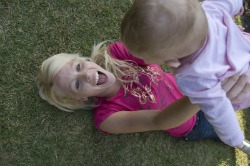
[175, 63]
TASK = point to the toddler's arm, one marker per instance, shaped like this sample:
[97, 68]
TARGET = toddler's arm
[238, 15]
[231, 6]
[216, 106]
[240, 12]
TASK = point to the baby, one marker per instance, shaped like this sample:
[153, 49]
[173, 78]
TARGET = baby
[203, 43]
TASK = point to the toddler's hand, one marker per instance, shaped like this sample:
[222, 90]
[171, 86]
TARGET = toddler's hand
[246, 147]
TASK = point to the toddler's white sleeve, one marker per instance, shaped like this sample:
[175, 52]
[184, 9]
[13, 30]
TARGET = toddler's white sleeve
[230, 6]
[215, 105]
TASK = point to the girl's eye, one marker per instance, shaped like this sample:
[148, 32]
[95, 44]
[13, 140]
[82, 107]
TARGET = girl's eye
[78, 67]
[77, 84]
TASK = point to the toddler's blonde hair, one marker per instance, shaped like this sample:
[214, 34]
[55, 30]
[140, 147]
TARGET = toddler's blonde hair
[150, 25]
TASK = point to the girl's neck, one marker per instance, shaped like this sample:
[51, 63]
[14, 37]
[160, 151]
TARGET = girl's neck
[113, 90]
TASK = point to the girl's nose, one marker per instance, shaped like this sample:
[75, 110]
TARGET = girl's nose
[85, 75]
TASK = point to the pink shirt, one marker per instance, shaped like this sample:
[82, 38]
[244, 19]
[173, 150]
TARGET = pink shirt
[162, 92]
[225, 52]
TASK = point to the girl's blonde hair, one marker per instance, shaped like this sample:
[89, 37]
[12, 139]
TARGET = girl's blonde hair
[52, 65]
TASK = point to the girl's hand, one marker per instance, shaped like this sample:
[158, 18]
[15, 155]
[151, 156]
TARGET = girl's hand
[236, 87]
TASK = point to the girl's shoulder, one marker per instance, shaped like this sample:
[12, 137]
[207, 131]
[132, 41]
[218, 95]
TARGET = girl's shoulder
[119, 51]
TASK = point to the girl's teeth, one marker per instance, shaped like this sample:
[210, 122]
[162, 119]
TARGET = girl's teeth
[96, 77]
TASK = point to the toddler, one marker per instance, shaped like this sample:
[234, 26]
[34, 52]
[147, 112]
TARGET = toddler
[203, 43]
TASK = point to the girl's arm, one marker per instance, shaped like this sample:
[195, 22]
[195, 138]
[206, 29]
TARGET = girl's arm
[148, 120]
[172, 116]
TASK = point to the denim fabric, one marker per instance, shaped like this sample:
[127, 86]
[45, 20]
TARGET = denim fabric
[201, 130]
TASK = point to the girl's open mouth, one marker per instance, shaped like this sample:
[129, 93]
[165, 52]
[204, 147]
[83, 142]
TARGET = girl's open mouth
[101, 78]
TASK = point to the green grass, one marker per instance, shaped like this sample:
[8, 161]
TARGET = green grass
[35, 133]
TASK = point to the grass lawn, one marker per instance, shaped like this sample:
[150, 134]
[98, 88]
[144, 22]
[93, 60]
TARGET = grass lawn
[35, 133]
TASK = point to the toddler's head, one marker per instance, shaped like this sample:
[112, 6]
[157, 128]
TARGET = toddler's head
[163, 30]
